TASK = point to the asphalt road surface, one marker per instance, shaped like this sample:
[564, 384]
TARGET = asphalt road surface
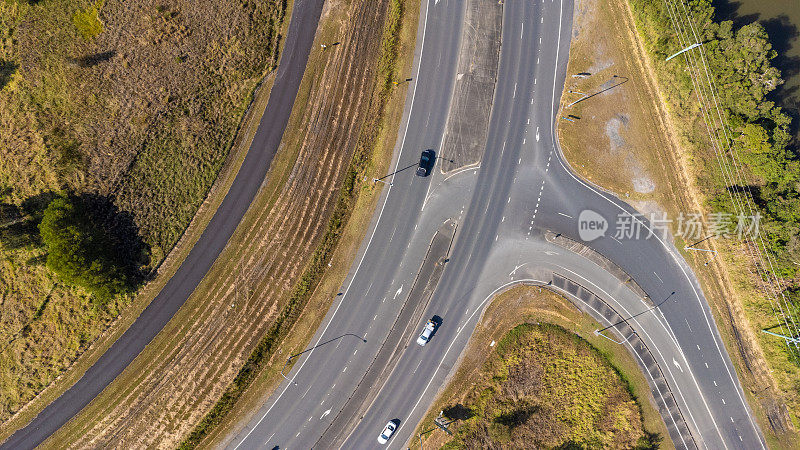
[304, 18]
[502, 210]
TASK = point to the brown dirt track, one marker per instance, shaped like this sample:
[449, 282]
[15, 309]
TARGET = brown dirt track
[177, 379]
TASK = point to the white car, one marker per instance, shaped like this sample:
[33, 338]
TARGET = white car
[387, 432]
[425, 336]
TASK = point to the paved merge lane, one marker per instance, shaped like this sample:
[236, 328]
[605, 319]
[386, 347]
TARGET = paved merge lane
[521, 189]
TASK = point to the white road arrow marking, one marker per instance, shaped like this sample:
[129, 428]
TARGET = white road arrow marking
[515, 269]
[677, 365]
[325, 414]
[398, 291]
[537, 134]
[549, 253]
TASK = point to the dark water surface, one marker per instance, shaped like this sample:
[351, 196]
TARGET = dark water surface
[781, 19]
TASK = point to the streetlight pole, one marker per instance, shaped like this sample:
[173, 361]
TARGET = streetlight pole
[786, 338]
[600, 331]
[712, 251]
[684, 50]
[284, 367]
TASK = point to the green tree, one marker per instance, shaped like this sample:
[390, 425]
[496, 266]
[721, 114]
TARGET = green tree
[765, 161]
[80, 251]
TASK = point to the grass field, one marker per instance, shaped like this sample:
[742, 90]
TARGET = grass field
[535, 375]
[656, 159]
[136, 102]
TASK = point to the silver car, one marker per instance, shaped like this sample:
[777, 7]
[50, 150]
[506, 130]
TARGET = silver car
[387, 432]
[425, 336]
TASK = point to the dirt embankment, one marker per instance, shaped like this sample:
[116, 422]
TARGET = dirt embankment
[179, 377]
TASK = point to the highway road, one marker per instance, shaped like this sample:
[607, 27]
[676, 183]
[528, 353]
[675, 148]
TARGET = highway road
[304, 18]
[503, 211]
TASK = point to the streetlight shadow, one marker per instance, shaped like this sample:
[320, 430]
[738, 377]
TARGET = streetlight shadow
[396, 172]
[637, 314]
[326, 342]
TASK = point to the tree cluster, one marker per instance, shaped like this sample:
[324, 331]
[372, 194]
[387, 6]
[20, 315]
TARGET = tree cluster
[90, 245]
[763, 160]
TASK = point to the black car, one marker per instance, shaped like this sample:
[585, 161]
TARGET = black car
[426, 163]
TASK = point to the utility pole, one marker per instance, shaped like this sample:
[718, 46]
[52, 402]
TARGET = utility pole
[284, 367]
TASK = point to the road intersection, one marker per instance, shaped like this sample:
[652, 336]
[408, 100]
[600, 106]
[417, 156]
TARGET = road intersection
[503, 209]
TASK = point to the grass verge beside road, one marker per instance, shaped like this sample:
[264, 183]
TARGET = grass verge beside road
[646, 159]
[168, 266]
[179, 377]
[350, 206]
[55, 142]
[532, 305]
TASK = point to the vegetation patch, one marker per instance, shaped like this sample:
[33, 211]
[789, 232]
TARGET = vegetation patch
[546, 387]
[750, 165]
[87, 21]
[656, 130]
[103, 256]
[756, 131]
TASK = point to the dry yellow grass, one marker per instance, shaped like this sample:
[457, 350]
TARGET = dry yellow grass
[90, 114]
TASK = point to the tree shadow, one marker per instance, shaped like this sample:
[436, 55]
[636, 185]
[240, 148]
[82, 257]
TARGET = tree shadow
[7, 70]
[19, 235]
[35, 205]
[517, 416]
[458, 412]
[125, 245]
[729, 10]
[93, 59]
[9, 213]
[19, 224]
[112, 234]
